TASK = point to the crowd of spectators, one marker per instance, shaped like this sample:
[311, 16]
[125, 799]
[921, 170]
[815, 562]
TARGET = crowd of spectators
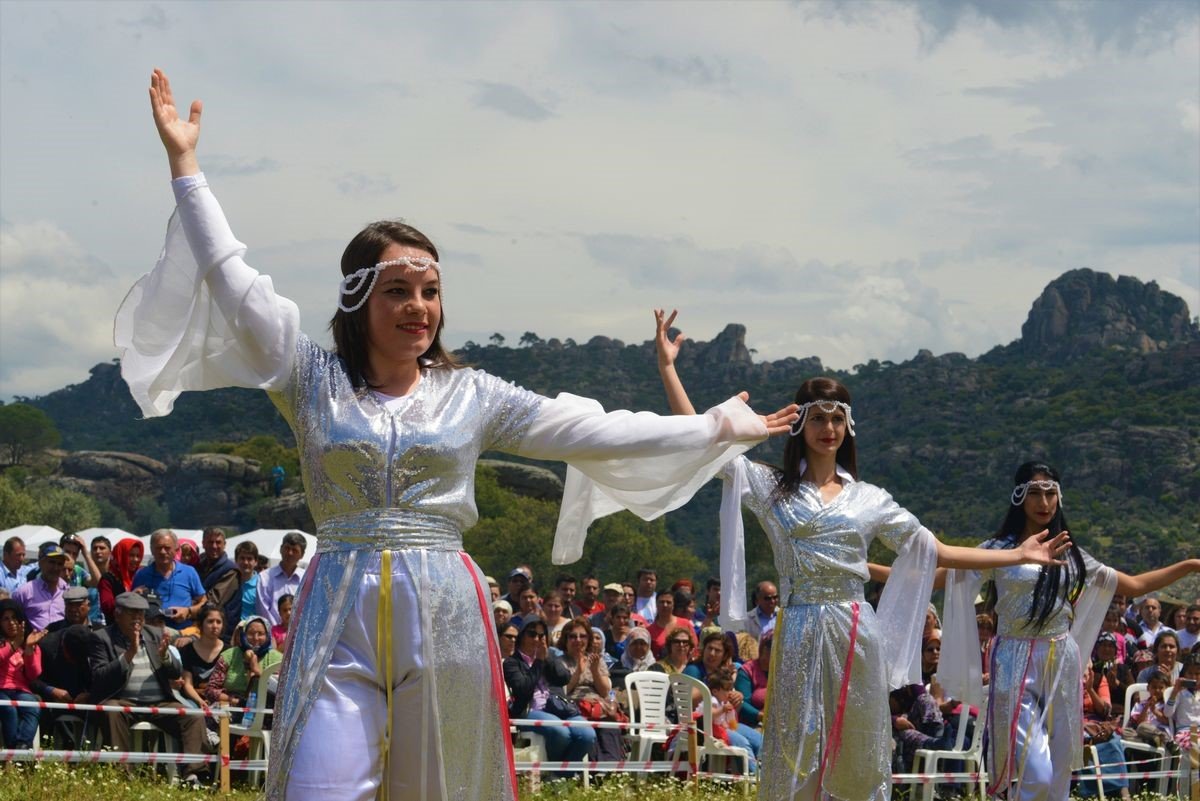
[190, 627]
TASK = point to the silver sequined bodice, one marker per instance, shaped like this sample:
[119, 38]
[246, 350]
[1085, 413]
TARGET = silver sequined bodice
[404, 476]
[1014, 589]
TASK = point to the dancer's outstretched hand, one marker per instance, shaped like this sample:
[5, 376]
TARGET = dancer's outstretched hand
[1041, 549]
[179, 136]
[667, 348]
[777, 422]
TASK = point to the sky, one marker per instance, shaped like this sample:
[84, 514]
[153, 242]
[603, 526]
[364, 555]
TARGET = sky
[848, 180]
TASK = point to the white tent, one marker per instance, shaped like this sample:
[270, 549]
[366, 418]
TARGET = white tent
[114, 535]
[33, 537]
[268, 541]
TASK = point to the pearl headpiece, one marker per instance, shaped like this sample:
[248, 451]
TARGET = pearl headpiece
[353, 283]
[1045, 484]
[827, 406]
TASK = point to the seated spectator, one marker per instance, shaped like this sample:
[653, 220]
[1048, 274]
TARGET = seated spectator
[726, 703]
[751, 682]
[527, 607]
[245, 555]
[76, 610]
[1166, 657]
[1115, 625]
[917, 723]
[493, 588]
[131, 666]
[665, 619]
[176, 584]
[931, 654]
[637, 657]
[65, 676]
[279, 633]
[618, 628]
[283, 579]
[533, 675]
[125, 562]
[507, 634]
[1190, 633]
[613, 595]
[20, 665]
[985, 624]
[715, 652]
[1142, 659]
[1100, 730]
[590, 685]
[199, 657]
[41, 598]
[680, 644]
[1183, 707]
[600, 646]
[1148, 721]
[502, 612]
[1115, 676]
[553, 607]
[241, 664]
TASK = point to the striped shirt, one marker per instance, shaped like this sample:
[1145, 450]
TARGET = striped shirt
[142, 685]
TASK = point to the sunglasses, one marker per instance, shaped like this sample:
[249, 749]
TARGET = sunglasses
[681, 642]
[579, 636]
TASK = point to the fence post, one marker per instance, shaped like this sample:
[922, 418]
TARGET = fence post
[223, 730]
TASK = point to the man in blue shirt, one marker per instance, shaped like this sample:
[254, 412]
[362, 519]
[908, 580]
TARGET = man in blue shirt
[177, 585]
[14, 572]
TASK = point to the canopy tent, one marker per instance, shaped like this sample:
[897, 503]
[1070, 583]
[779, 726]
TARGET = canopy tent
[268, 541]
[114, 535]
[33, 537]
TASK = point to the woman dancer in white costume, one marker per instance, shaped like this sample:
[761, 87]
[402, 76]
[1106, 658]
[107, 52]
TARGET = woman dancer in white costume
[827, 732]
[391, 686]
[1047, 621]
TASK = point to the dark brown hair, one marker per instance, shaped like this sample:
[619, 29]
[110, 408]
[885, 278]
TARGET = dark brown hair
[815, 389]
[350, 328]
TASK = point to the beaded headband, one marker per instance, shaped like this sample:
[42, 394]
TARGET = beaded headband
[827, 406]
[352, 284]
[1021, 490]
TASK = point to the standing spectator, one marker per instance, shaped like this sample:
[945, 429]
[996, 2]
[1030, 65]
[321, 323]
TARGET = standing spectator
[1166, 657]
[566, 585]
[588, 603]
[14, 572]
[278, 474]
[553, 612]
[220, 578]
[493, 588]
[1190, 632]
[101, 550]
[628, 595]
[518, 580]
[613, 594]
[176, 584]
[1114, 623]
[1183, 707]
[532, 675]
[245, 555]
[20, 664]
[751, 682]
[283, 579]
[618, 621]
[86, 573]
[527, 607]
[132, 665]
[41, 599]
[707, 614]
[502, 613]
[664, 621]
[1150, 611]
[762, 617]
[76, 610]
[126, 561]
[644, 598]
[279, 633]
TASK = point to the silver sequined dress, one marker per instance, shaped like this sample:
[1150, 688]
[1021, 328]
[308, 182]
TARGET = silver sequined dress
[821, 557]
[396, 476]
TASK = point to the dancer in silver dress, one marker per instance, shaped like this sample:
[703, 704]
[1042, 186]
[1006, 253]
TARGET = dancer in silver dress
[828, 732]
[1047, 621]
[391, 687]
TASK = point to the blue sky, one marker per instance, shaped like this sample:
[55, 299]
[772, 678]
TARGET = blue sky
[850, 180]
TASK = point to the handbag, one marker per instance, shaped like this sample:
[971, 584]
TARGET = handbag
[560, 707]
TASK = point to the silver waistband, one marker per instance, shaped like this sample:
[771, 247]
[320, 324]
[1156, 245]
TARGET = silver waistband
[825, 590]
[388, 530]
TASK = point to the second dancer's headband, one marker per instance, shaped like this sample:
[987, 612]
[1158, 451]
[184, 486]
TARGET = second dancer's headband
[827, 406]
[1044, 484]
[354, 283]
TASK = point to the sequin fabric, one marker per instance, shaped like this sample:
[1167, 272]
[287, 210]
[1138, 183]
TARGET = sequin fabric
[400, 479]
[821, 557]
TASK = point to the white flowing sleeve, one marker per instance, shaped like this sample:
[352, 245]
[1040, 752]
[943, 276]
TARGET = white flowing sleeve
[203, 318]
[959, 669]
[1092, 604]
[733, 545]
[643, 462]
[903, 604]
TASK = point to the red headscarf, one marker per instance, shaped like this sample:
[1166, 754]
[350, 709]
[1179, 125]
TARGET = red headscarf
[119, 564]
[192, 558]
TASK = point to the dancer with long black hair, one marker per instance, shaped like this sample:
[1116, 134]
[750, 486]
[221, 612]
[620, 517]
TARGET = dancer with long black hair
[828, 730]
[1047, 621]
[375, 700]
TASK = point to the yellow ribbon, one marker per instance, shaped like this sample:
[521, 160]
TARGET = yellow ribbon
[383, 655]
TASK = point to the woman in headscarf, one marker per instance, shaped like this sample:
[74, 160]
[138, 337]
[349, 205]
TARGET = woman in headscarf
[125, 561]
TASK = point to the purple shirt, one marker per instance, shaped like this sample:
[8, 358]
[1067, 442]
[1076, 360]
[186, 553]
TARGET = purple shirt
[42, 605]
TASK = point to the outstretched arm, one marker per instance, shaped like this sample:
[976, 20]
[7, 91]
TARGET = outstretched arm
[668, 350]
[179, 136]
[1040, 549]
[1152, 580]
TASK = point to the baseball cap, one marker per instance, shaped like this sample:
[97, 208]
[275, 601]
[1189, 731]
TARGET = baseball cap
[505, 605]
[51, 550]
[614, 587]
[516, 571]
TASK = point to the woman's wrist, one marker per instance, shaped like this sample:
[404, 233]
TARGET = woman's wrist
[183, 164]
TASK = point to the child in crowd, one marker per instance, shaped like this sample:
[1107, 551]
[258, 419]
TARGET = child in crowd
[1149, 719]
[279, 633]
[725, 715]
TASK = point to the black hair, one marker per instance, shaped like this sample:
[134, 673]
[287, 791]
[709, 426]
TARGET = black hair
[815, 389]
[207, 610]
[1051, 590]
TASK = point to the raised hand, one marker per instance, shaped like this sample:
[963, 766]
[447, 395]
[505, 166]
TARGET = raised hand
[1041, 549]
[777, 422]
[179, 136]
[668, 349]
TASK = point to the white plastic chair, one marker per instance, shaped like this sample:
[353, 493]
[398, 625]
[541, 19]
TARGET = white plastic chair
[925, 761]
[709, 749]
[1133, 694]
[144, 731]
[648, 693]
[529, 746]
[260, 738]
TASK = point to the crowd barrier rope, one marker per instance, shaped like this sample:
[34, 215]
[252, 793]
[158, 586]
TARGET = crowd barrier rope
[210, 712]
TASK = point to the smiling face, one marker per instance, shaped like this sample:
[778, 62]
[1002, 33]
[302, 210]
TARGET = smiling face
[1166, 649]
[404, 309]
[214, 544]
[256, 634]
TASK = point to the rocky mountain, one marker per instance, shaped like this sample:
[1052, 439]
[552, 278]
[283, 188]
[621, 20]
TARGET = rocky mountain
[1101, 383]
